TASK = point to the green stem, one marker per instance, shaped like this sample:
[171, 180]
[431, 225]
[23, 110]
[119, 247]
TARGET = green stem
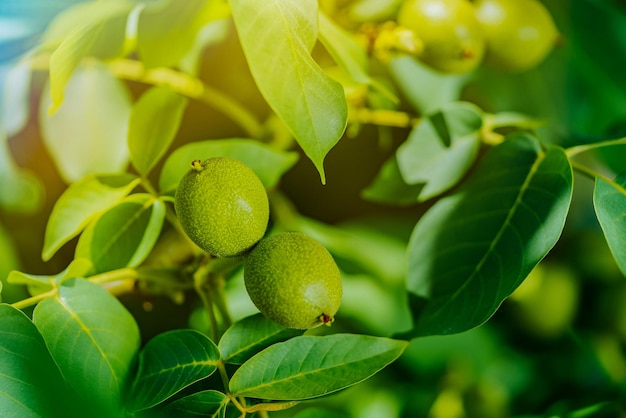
[33, 300]
[593, 175]
[200, 278]
[191, 87]
[575, 150]
[114, 275]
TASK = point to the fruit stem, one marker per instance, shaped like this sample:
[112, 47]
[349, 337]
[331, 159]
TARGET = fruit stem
[200, 281]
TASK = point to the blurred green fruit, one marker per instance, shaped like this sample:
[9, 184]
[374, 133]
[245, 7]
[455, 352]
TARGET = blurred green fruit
[293, 280]
[519, 33]
[222, 205]
[452, 37]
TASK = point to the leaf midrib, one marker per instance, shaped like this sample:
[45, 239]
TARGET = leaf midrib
[518, 201]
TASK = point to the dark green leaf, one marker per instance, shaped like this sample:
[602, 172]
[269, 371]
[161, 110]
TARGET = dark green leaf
[277, 38]
[309, 366]
[389, 186]
[609, 200]
[166, 30]
[205, 404]
[101, 34]
[93, 339]
[79, 204]
[169, 363]
[474, 247]
[269, 164]
[251, 335]
[87, 134]
[154, 121]
[30, 382]
[124, 235]
[441, 148]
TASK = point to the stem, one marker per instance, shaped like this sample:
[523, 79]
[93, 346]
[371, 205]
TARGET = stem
[191, 87]
[593, 175]
[204, 291]
[575, 150]
[114, 275]
[383, 117]
[33, 300]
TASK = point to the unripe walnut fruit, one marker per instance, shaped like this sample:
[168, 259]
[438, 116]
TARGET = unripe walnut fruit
[293, 280]
[222, 206]
[519, 33]
[452, 37]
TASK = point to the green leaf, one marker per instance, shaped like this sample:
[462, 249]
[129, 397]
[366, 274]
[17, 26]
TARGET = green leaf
[427, 90]
[101, 34]
[375, 252]
[609, 200]
[351, 56]
[31, 384]
[166, 30]
[170, 362]
[474, 247]
[154, 121]
[87, 134]
[277, 38]
[269, 164]
[251, 335]
[21, 190]
[441, 148]
[124, 235]
[207, 403]
[389, 186]
[319, 413]
[309, 366]
[8, 262]
[373, 10]
[79, 204]
[93, 339]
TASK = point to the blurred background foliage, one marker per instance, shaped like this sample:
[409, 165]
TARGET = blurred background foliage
[557, 347]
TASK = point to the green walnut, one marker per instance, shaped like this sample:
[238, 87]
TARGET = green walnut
[452, 37]
[222, 206]
[293, 280]
[519, 33]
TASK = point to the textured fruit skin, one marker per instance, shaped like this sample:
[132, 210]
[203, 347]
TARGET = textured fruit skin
[519, 33]
[293, 280]
[452, 37]
[222, 206]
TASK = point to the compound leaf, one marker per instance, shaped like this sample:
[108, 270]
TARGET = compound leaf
[269, 164]
[609, 200]
[93, 339]
[124, 235]
[310, 366]
[277, 37]
[250, 335]
[475, 246]
[170, 362]
[154, 121]
[31, 384]
[80, 203]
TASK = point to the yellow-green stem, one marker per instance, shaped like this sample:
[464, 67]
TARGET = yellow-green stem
[593, 174]
[575, 150]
